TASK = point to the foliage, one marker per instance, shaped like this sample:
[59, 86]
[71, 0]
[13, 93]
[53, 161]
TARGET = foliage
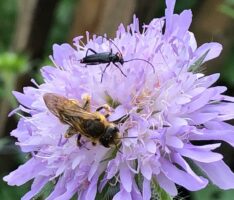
[11, 64]
[228, 71]
[7, 21]
[9, 193]
[212, 192]
[184, 4]
[227, 8]
[62, 22]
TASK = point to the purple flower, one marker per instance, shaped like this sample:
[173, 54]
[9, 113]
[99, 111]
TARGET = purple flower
[168, 110]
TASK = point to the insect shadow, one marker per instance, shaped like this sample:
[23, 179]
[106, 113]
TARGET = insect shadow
[108, 58]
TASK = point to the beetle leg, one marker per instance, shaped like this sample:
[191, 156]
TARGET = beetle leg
[120, 69]
[105, 70]
[89, 49]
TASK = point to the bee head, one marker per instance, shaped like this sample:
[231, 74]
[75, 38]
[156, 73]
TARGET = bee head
[110, 137]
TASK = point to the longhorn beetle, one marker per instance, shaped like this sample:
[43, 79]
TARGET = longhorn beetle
[108, 57]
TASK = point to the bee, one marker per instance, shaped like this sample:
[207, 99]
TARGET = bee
[81, 121]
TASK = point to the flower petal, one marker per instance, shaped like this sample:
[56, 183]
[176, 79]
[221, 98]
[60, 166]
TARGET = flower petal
[181, 177]
[201, 118]
[119, 112]
[146, 189]
[224, 135]
[92, 189]
[169, 16]
[219, 173]
[23, 99]
[214, 50]
[136, 194]
[18, 177]
[38, 183]
[167, 184]
[184, 23]
[146, 170]
[174, 141]
[126, 178]
[122, 194]
[200, 155]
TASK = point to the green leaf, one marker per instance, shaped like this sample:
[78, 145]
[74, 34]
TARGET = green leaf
[227, 9]
[195, 67]
[212, 192]
[228, 71]
[3, 142]
[8, 14]
[13, 63]
[8, 192]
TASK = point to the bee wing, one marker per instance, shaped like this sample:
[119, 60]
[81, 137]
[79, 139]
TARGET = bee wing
[79, 112]
[61, 105]
[54, 102]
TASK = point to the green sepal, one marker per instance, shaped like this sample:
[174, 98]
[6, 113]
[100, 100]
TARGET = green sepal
[157, 193]
[45, 192]
[109, 191]
[196, 66]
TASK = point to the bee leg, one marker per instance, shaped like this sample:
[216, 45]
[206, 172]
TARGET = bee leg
[70, 132]
[121, 119]
[94, 143]
[86, 99]
[107, 108]
[79, 144]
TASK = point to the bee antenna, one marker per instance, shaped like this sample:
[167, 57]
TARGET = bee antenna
[118, 149]
[142, 60]
[127, 137]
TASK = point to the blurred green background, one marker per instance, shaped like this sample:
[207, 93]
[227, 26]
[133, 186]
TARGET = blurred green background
[29, 28]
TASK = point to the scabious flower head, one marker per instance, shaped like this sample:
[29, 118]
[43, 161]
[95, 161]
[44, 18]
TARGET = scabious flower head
[168, 111]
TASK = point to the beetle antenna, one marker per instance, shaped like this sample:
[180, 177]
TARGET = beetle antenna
[112, 43]
[142, 60]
